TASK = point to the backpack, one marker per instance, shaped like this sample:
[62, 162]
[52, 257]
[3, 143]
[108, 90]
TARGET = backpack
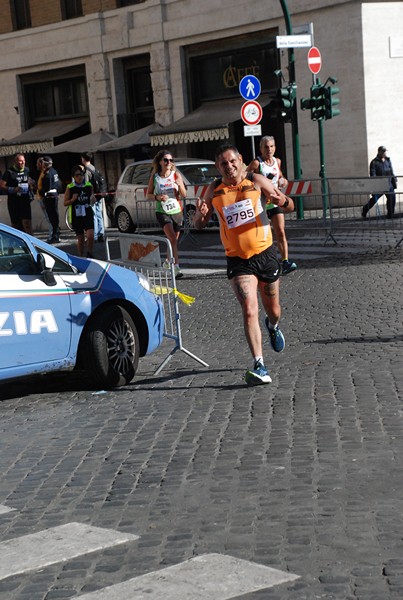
[98, 182]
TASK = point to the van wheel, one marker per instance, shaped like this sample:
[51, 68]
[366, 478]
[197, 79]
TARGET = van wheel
[124, 221]
[190, 215]
[110, 348]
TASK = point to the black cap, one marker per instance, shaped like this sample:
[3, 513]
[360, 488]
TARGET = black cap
[47, 160]
[381, 149]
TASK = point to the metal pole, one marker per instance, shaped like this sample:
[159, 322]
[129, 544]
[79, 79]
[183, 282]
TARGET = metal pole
[253, 147]
[322, 172]
[294, 122]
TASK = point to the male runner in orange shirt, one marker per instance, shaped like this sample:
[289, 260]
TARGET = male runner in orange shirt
[239, 200]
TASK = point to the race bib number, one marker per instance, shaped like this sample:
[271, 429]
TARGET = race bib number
[80, 210]
[240, 213]
[24, 188]
[170, 206]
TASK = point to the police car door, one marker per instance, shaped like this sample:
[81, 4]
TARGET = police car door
[35, 317]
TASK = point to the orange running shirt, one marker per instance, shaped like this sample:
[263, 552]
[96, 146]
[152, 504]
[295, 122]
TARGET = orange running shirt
[244, 225]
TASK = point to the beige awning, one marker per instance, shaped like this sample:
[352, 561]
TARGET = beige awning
[134, 138]
[40, 137]
[209, 122]
[85, 143]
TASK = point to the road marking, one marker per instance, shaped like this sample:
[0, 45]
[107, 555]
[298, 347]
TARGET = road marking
[206, 577]
[58, 544]
[5, 509]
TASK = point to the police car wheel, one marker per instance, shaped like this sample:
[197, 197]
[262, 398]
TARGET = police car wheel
[110, 350]
[124, 221]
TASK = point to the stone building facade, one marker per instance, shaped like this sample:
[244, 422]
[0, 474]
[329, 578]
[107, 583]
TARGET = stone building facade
[76, 66]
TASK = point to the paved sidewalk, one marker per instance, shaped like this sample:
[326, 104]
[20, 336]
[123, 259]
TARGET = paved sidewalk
[303, 475]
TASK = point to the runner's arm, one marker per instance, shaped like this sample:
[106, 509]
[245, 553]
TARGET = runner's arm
[282, 181]
[253, 167]
[67, 200]
[180, 184]
[273, 194]
[204, 208]
[150, 189]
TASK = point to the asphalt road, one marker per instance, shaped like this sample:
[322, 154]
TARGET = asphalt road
[302, 476]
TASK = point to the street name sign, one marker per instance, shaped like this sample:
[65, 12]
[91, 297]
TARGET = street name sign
[293, 41]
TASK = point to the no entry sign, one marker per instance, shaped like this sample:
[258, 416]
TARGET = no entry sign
[314, 60]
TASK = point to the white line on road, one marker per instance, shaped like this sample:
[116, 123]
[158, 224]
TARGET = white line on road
[206, 577]
[58, 544]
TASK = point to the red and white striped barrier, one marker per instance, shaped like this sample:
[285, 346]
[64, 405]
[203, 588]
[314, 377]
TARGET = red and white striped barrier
[200, 190]
[196, 191]
[296, 188]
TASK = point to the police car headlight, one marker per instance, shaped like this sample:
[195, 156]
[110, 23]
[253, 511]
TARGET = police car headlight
[144, 281]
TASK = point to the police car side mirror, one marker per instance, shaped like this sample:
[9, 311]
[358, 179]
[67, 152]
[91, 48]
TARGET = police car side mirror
[48, 276]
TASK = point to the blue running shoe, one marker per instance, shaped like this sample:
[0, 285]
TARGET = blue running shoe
[258, 376]
[277, 339]
[287, 266]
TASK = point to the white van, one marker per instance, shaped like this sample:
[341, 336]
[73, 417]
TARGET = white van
[132, 209]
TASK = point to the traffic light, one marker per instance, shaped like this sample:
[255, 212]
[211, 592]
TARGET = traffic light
[318, 109]
[286, 98]
[331, 101]
[306, 104]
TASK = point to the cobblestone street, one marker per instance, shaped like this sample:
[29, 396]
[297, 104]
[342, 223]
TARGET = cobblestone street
[302, 475]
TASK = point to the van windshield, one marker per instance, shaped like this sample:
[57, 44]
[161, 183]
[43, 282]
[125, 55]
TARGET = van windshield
[200, 174]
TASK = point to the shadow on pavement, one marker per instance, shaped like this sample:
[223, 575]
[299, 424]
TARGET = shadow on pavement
[360, 340]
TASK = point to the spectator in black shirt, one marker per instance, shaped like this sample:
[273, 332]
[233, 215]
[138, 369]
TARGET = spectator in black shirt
[19, 187]
[381, 166]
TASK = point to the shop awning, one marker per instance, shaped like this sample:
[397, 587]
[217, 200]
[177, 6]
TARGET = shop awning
[209, 122]
[40, 137]
[85, 143]
[134, 138]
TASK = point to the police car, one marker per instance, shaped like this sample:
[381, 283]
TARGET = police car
[60, 312]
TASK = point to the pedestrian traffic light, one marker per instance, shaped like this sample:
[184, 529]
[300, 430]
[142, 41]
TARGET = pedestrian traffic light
[331, 101]
[318, 99]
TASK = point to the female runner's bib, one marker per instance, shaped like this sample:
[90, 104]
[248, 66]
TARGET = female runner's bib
[165, 186]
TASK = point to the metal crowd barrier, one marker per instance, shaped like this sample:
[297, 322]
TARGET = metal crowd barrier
[142, 253]
[337, 204]
[331, 205]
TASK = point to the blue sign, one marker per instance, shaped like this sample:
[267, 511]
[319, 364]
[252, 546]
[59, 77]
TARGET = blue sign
[249, 87]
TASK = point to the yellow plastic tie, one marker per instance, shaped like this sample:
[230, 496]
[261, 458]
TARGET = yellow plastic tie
[188, 300]
[161, 290]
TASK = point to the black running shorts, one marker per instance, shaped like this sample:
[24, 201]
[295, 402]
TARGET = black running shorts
[19, 209]
[265, 266]
[274, 211]
[176, 220]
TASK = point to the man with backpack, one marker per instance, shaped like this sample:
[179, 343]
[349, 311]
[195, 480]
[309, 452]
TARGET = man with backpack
[97, 180]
